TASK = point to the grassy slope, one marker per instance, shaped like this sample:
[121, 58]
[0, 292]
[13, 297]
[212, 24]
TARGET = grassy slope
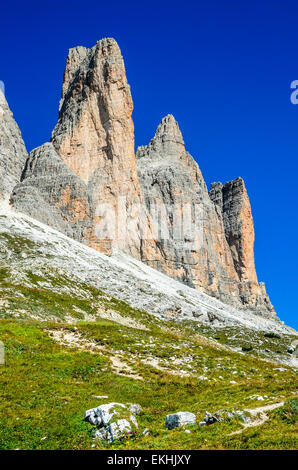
[45, 388]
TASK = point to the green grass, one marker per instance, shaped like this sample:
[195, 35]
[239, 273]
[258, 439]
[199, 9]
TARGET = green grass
[45, 389]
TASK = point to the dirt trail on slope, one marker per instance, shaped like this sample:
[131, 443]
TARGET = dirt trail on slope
[75, 339]
[258, 416]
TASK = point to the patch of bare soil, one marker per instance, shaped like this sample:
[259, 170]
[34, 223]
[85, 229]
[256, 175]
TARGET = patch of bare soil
[125, 321]
[75, 340]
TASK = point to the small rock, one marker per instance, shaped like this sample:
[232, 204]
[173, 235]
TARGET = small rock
[293, 348]
[91, 417]
[209, 418]
[180, 419]
[135, 409]
[134, 421]
[101, 434]
[110, 424]
[107, 412]
[145, 432]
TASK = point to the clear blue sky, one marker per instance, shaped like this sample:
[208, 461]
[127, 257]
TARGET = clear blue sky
[223, 68]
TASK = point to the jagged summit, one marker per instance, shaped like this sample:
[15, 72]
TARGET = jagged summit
[169, 128]
[167, 141]
[83, 66]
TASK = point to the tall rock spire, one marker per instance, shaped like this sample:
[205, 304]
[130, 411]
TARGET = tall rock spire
[94, 139]
[199, 255]
[95, 132]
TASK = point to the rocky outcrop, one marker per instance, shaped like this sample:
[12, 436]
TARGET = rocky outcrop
[89, 184]
[191, 232]
[113, 421]
[13, 153]
[232, 200]
[213, 248]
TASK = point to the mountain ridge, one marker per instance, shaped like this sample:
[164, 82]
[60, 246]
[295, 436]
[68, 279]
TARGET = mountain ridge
[90, 165]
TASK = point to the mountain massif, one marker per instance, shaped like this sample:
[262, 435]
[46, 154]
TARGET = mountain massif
[90, 184]
[131, 316]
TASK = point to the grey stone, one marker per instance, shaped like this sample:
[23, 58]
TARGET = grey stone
[110, 424]
[108, 412]
[209, 418]
[101, 434]
[293, 348]
[136, 409]
[179, 419]
[145, 432]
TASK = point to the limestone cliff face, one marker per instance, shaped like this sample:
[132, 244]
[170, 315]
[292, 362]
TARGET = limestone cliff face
[13, 153]
[232, 199]
[89, 184]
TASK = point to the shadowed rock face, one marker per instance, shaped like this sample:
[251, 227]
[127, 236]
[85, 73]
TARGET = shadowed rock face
[13, 153]
[90, 166]
[53, 194]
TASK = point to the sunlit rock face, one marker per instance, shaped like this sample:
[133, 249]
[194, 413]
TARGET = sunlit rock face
[154, 205]
[85, 180]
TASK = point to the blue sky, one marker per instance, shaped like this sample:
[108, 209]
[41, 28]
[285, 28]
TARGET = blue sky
[223, 68]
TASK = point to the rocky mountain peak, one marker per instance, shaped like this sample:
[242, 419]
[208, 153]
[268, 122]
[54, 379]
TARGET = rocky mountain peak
[167, 141]
[168, 130]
